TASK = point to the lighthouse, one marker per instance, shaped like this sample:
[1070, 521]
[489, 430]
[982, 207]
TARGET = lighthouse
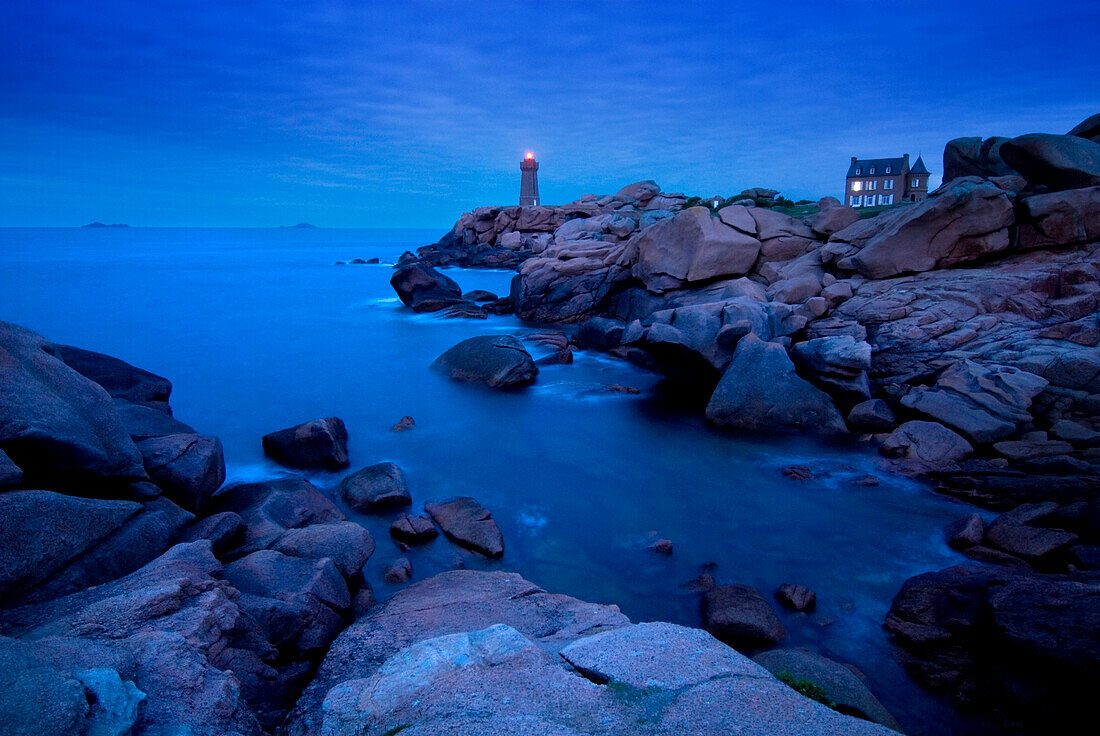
[529, 181]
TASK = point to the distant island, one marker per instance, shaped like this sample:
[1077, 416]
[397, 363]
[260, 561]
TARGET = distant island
[100, 224]
[304, 225]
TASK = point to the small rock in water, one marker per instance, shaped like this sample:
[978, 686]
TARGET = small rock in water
[404, 425]
[413, 529]
[560, 357]
[400, 571]
[740, 616]
[376, 488]
[322, 443]
[480, 295]
[701, 584]
[662, 546]
[498, 361]
[468, 524]
[866, 480]
[618, 387]
[798, 472]
[796, 597]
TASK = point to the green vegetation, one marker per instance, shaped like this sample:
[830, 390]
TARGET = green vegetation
[811, 690]
[397, 730]
[867, 212]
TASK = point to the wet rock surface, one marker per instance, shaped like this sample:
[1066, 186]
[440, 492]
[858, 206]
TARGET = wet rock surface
[321, 443]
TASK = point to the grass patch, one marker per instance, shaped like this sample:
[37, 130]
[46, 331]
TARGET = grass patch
[811, 690]
[867, 212]
[397, 730]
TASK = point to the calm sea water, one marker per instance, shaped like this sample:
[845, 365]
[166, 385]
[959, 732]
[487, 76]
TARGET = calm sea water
[259, 330]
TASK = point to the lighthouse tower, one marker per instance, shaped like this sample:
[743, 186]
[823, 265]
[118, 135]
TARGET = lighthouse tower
[529, 181]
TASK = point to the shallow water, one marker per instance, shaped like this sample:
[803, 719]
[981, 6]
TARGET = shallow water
[259, 330]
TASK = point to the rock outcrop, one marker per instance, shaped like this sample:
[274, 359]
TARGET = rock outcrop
[973, 310]
[1019, 644]
[489, 652]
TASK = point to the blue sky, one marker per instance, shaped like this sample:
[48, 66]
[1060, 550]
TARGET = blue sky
[405, 114]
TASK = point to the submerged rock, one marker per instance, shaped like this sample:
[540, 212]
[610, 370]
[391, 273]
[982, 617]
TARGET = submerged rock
[320, 444]
[498, 361]
[796, 597]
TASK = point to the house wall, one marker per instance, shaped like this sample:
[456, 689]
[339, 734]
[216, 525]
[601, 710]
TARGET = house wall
[878, 181]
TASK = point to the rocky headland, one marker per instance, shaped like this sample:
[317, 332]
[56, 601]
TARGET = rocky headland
[959, 334]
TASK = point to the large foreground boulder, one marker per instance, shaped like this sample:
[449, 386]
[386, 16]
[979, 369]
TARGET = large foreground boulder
[691, 247]
[172, 629]
[189, 467]
[1056, 161]
[487, 653]
[974, 157]
[964, 220]
[55, 424]
[760, 390]
[320, 444]
[43, 531]
[498, 361]
[120, 379]
[1020, 645]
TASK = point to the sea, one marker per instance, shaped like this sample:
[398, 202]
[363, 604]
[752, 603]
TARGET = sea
[260, 329]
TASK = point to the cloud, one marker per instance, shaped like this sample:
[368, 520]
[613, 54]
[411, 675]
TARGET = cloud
[375, 103]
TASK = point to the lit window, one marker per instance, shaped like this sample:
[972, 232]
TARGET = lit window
[871, 170]
[856, 201]
[857, 186]
[872, 185]
[889, 183]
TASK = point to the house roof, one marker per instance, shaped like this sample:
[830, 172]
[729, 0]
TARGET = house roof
[879, 164]
[919, 167]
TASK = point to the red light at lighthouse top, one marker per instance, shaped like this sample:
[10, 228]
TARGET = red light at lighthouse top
[530, 156]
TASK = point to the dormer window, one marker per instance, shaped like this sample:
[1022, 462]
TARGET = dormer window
[889, 169]
[859, 171]
[872, 171]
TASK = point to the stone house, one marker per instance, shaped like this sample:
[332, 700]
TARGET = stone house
[878, 181]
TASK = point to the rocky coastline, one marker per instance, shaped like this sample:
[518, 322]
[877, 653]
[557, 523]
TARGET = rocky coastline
[140, 594]
[959, 334]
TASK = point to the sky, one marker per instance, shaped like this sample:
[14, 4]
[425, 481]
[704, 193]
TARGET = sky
[351, 113]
